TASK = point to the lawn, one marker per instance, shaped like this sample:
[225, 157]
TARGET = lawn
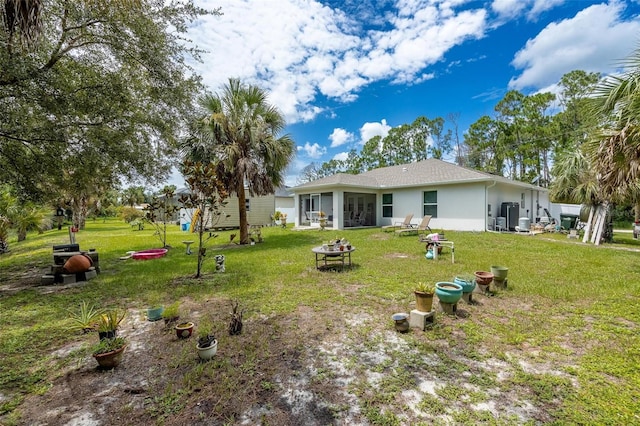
[559, 346]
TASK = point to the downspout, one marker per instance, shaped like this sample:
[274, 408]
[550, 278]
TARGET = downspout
[486, 198]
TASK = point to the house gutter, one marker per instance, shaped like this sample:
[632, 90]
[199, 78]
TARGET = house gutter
[486, 198]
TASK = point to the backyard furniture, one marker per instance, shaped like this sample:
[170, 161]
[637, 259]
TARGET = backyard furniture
[406, 224]
[435, 244]
[422, 227]
[327, 258]
[188, 244]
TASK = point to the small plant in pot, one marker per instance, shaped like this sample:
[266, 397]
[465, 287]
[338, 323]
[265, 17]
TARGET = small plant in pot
[171, 313]
[108, 352]
[322, 220]
[109, 322]
[85, 318]
[207, 344]
[235, 325]
[184, 329]
[424, 296]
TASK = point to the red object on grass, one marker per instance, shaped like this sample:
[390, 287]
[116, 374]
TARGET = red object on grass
[149, 254]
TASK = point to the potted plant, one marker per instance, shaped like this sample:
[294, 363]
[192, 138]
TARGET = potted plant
[276, 217]
[85, 318]
[467, 282]
[283, 220]
[109, 322]
[154, 313]
[322, 219]
[171, 313]
[235, 325]
[207, 344]
[184, 329]
[108, 352]
[424, 296]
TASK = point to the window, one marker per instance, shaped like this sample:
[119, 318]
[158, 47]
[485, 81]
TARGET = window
[247, 204]
[387, 205]
[430, 203]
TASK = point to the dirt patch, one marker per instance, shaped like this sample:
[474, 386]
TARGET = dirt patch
[316, 366]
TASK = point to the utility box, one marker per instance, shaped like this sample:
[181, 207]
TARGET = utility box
[510, 211]
[568, 221]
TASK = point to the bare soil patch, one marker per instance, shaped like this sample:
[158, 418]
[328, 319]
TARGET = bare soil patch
[316, 366]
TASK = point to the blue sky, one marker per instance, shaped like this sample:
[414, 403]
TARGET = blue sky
[344, 71]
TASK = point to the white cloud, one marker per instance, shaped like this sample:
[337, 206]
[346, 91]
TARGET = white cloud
[314, 151]
[341, 156]
[540, 6]
[320, 52]
[508, 8]
[595, 40]
[369, 130]
[340, 137]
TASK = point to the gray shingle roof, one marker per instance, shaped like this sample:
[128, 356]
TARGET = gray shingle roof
[427, 172]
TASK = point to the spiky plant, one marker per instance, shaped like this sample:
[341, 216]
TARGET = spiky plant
[235, 325]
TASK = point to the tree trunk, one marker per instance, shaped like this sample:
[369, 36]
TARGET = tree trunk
[80, 210]
[242, 212]
[201, 248]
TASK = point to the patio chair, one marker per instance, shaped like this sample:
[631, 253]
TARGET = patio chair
[421, 228]
[362, 218]
[406, 224]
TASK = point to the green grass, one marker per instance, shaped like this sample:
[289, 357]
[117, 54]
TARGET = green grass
[572, 304]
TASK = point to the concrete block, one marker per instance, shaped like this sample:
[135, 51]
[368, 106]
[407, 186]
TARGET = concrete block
[449, 308]
[419, 319]
[500, 284]
[87, 275]
[47, 279]
[56, 269]
[68, 278]
[468, 297]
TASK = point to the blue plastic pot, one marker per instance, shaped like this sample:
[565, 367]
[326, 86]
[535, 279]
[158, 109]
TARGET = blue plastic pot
[448, 292]
[467, 285]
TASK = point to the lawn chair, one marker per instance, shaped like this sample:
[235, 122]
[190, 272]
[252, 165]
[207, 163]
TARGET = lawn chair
[422, 227]
[402, 225]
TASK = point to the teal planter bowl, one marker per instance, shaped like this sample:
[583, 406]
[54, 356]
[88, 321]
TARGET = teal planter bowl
[448, 292]
[467, 285]
[154, 314]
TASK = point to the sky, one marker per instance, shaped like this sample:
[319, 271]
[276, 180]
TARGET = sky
[342, 72]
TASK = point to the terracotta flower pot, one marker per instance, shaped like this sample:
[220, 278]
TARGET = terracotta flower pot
[184, 329]
[77, 263]
[110, 359]
[483, 277]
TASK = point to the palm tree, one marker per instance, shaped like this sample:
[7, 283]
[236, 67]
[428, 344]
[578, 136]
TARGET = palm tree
[21, 19]
[240, 134]
[615, 150]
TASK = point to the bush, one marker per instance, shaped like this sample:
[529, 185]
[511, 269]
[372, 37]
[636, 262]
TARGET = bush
[129, 214]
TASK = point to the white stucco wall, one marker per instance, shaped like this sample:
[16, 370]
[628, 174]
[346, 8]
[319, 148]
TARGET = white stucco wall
[460, 207]
[286, 205]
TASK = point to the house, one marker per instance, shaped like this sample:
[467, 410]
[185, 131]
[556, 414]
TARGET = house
[456, 197]
[259, 212]
[285, 201]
